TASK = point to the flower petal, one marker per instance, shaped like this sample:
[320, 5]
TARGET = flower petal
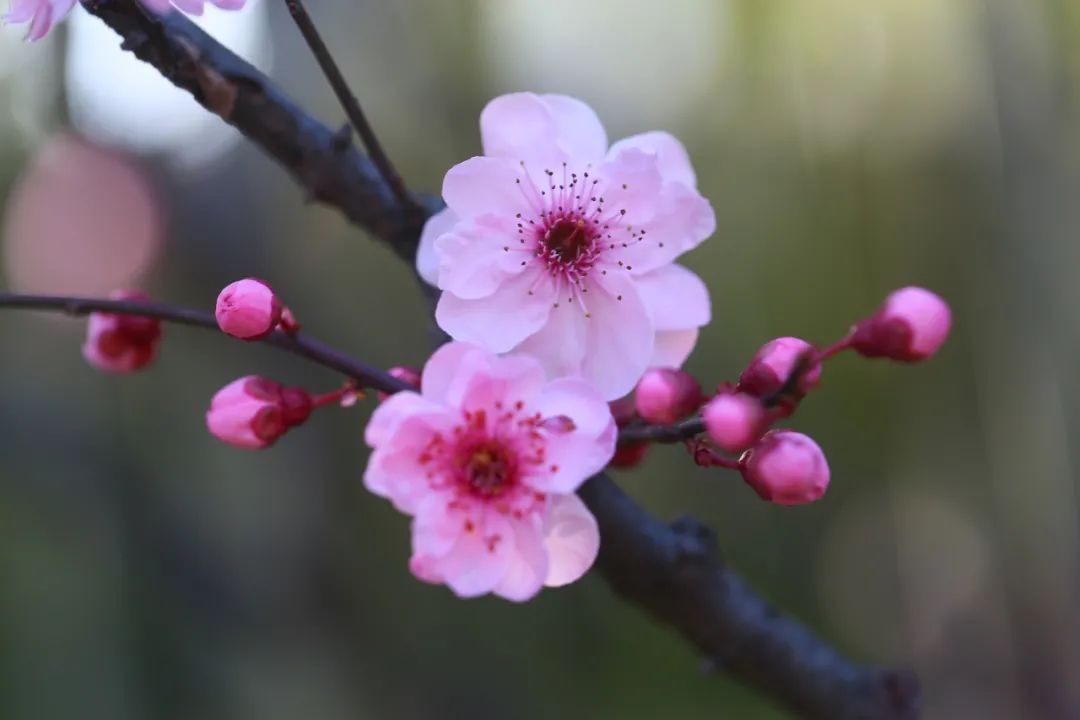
[560, 343]
[630, 185]
[427, 262]
[683, 219]
[672, 347]
[572, 540]
[672, 158]
[543, 131]
[620, 335]
[484, 186]
[396, 409]
[480, 558]
[505, 380]
[515, 311]
[676, 298]
[529, 562]
[475, 258]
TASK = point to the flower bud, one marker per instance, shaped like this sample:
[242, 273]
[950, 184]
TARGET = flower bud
[734, 421]
[628, 455]
[623, 411]
[771, 370]
[406, 373]
[121, 343]
[786, 467]
[910, 326]
[667, 395]
[248, 309]
[254, 412]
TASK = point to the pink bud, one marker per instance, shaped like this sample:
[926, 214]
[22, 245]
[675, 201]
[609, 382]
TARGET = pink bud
[406, 373]
[734, 421]
[629, 455]
[786, 468]
[773, 366]
[121, 343]
[623, 411]
[248, 309]
[910, 326]
[254, 412]
[667, 395]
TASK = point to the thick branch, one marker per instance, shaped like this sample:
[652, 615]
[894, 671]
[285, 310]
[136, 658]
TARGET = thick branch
[323, 161]
[673, 572]
[297, 344]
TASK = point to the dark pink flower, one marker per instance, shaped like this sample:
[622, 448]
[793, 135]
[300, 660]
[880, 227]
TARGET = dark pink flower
[667, 395]
[910, 326]
[787, 468]
[254, 412]
[734, 421]
[248, 309]
[486, 459]
[121, 343]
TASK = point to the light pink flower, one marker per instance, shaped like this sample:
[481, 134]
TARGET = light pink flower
[41, 14]
[121, 343]
[910, 326]
[486, 460]
[555, 245]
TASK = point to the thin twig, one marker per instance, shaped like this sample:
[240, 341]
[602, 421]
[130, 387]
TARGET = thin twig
[348, 101]
[298, 344]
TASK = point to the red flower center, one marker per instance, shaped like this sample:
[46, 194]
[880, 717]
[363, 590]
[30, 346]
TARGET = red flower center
[489, 469]
[567, 238]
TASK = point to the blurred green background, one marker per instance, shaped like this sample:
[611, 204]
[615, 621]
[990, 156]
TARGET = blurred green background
[849, 148]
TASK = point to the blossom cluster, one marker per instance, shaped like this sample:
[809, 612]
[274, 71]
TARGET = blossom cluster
[555, 259]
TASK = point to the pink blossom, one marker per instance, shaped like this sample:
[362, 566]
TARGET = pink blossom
[486, 459]
[667, 395]
[41, 14]
[121, 343]
[555, 245]
[734, 421]
[911, 325]
[248, 309]
[253, 412]
[787, 468]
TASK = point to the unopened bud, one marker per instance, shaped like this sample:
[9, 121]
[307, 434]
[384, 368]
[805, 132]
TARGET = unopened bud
[248, 309]
[254, 412]
[628, 455]
[405, 373]
[910, 326]
[734, 421]
[782, 371]
[667, 395]
[121, 343]
[786, 467]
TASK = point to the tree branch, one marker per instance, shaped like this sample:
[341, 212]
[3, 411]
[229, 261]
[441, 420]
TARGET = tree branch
[673, 572]
[348, 101]
[297, 344]
[322, 161]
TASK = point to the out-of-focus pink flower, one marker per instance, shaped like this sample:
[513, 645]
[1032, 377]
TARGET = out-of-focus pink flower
[910, 326]
[773, 365]
[787, 468]
[190, 7]
[121, 343]
[667, 395]
[555, 245]
[253, 412]
[734, 421]
[486, 459]
[41, 14]
[248, 309]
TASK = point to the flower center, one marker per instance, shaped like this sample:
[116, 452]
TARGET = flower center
[488, 470]
[567, 238]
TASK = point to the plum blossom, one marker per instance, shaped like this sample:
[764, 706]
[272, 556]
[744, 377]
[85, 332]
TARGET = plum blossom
[555, 245]
[486, 459]
[44, 14]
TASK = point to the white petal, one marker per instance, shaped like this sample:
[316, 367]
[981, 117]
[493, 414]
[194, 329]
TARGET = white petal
[672, 347]
[676, 298]
[427, 262]
[620, 335]
[560, 344]
[671, 156]
[528, 564]
[500, 321]
[578, 131]
[483, 186]
[542, 131]
[572, 539]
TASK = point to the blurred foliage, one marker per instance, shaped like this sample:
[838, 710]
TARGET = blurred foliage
[849, 147]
